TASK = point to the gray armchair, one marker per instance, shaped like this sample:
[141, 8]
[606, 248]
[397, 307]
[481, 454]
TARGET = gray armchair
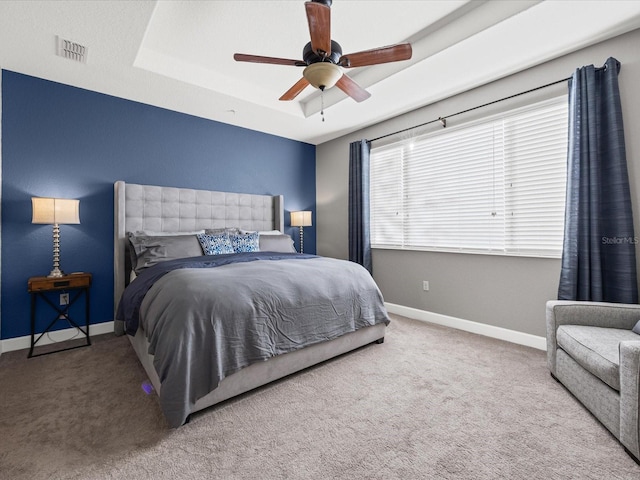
[593, 352]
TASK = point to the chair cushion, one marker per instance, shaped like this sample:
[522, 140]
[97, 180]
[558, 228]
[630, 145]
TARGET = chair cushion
[596, 349]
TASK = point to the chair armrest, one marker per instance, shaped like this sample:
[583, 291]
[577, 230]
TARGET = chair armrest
[629, 396]
[596, 314]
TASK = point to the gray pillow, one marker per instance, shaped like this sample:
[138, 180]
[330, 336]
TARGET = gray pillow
[636, 328]
[217, 231]
[276, 243]
[150, 250]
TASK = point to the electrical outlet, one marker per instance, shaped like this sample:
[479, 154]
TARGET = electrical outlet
[425, 285]
[64, 299]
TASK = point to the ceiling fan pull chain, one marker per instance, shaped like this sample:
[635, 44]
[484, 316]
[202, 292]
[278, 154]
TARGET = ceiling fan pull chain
[322, 103]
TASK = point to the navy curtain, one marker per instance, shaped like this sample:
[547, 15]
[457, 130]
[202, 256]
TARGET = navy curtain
[359, 238]
[598, 258]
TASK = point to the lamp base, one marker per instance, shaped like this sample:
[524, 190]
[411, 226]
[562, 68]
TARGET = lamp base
[301, 240]
[55, 273]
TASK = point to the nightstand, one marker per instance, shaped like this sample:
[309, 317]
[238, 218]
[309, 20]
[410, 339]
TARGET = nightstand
[79, 283]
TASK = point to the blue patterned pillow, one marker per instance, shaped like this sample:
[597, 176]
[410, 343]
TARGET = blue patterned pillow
[215, 244]
[247, 242]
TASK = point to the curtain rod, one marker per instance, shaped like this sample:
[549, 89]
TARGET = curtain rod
[443, 120]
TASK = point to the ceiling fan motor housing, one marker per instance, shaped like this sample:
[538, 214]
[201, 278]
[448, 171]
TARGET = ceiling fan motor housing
[309, 56]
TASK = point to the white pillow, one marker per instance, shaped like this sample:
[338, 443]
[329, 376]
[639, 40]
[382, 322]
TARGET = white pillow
[262, 232]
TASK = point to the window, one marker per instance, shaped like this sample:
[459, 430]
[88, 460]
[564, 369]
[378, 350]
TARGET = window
[491, 186]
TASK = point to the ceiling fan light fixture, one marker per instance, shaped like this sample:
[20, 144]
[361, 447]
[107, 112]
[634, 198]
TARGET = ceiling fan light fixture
[322, 75]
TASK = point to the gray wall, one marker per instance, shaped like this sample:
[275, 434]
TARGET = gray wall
[508, 292]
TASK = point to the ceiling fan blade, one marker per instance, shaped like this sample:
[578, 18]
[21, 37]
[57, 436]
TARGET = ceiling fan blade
[319, 18]
[294, 91]
[241, 57]
[351, 88]
[392, 53]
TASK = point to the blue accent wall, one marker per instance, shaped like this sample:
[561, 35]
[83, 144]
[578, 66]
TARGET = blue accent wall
[62, 141]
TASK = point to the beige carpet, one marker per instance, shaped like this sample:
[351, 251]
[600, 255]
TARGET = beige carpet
[430, 402]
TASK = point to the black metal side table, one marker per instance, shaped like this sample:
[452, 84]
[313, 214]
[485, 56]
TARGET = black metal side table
[39, 286]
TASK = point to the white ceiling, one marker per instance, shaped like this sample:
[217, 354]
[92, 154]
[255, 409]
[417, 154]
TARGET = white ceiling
[179, 54]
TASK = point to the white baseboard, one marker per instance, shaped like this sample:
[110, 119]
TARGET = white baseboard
[512, 336]
[20, 343]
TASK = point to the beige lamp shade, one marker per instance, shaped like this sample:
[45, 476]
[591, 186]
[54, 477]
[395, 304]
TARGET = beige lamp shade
[301, 218]
[53, 211]
[323, 75]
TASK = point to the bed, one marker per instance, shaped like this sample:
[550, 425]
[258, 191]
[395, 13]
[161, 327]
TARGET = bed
[199, 348]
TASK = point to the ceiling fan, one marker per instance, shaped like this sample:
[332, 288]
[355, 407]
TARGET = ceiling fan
[323, 58]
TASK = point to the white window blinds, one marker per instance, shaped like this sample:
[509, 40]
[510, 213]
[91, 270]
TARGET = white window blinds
[494, 186]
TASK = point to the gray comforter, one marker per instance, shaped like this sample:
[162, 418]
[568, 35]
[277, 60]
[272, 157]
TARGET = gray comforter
[204, 324]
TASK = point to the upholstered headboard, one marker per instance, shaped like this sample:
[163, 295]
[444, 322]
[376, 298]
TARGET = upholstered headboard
[169, 209]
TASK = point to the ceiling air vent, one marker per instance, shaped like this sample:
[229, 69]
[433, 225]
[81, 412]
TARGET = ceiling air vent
[71, 50]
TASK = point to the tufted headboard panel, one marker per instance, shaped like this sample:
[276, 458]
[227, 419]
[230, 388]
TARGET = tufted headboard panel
[170, 209]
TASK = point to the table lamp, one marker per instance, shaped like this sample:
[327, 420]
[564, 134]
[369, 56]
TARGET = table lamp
[55, 211]
[301, 219]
